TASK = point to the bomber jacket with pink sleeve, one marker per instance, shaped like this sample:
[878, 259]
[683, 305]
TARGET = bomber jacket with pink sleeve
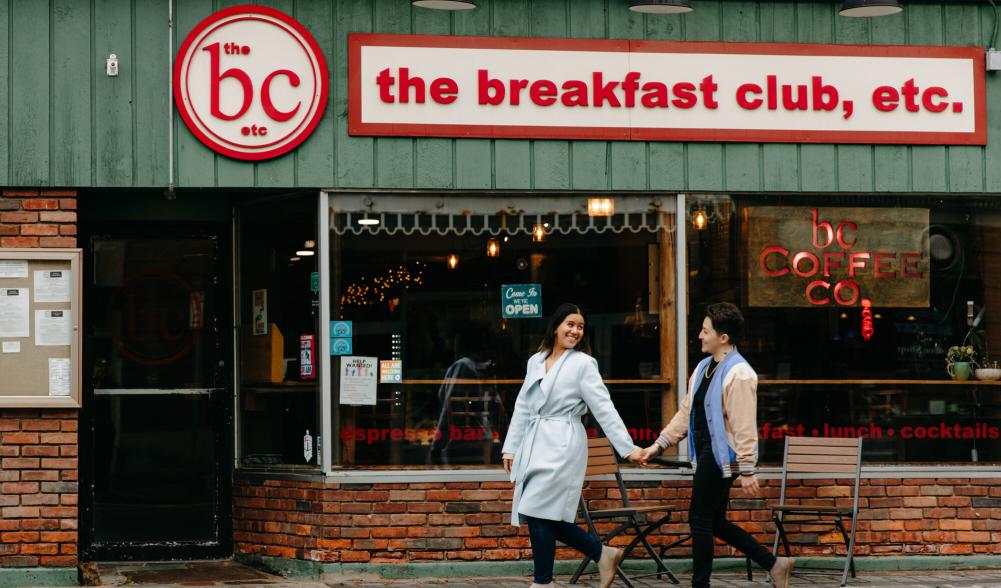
[739, 414]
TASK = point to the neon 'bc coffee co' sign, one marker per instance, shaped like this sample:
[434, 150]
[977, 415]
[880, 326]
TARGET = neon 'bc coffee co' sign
[250, 82]
[837, 257]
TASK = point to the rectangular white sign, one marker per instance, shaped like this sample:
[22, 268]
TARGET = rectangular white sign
[445, 86]
[358, 380]
[14, 312]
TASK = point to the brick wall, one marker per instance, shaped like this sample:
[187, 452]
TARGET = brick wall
[402, 523]
[38, 488]
[38, 447]
[38, 218]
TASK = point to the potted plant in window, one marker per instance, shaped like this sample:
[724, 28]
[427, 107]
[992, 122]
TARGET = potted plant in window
[959, 361]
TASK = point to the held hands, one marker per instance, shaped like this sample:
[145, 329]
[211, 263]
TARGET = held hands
[508, 460]
[638, 456]
[652, 452]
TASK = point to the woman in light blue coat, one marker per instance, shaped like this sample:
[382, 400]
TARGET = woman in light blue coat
[545, 451]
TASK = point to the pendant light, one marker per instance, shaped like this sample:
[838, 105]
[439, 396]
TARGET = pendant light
[493, 248]
[870, 7]
[445, 4]
[660, 6]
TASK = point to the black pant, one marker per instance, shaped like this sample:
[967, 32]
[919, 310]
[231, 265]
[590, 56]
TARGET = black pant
[544, 533]
[707, 518]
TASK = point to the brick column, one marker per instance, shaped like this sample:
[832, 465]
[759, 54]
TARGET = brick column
[38, 447]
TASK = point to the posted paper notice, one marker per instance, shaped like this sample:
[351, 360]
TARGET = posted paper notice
[59, 376]
[13, 268]
[14, 312]
[358, 380]
[52, 286]
[52, 328]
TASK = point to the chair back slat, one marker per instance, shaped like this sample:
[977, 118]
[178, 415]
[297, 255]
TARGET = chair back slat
[825, 441]
[820, 468]
[601, 469]
[602, 460]
[599, 451]
[821, 458]
[820, 450]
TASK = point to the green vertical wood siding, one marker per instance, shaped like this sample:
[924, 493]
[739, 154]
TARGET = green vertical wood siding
[63, 122]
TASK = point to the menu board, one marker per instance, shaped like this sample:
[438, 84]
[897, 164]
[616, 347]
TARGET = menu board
[40, 328]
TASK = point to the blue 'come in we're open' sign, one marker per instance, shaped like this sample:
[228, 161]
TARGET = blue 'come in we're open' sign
[521, 300]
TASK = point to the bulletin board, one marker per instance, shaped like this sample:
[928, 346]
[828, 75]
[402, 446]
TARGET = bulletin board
[40, 328]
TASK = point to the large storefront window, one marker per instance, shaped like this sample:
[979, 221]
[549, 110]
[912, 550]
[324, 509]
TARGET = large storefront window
[936, 262]
[429, 287]
[278, 290]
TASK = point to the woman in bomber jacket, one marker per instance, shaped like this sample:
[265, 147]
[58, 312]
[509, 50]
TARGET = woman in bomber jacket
[718, 415]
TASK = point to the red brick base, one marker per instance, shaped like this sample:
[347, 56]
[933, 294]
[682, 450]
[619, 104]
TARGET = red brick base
[38, 488]
[402, 523]
[38, 447]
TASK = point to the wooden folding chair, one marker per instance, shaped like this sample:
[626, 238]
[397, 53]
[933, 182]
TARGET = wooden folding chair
[601, 461]
[820, 455]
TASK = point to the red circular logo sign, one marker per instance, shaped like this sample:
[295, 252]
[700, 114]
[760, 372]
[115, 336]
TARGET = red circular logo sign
[250, 82]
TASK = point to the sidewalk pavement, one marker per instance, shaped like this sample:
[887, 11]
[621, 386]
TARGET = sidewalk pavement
[927, 579]
[230, 573]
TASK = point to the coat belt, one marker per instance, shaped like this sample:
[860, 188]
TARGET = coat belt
[529, 443]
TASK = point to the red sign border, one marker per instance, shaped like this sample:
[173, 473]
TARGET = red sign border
[358, 128]
[324, 82]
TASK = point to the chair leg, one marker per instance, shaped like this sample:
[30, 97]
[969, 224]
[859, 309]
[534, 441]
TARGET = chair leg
[665, 548]
[641, 537]
[780, 529]
[850, 563]
[750, 573]
[775, 544]
[580, 570]
[844, 535]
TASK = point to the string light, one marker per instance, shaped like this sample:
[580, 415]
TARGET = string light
[368, 291]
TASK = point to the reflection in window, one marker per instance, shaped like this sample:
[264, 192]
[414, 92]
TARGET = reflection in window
[426, 288]
[820, 376]
[279, 307]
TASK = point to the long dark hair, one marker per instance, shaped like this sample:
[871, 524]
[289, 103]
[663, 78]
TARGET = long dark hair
[557, 318]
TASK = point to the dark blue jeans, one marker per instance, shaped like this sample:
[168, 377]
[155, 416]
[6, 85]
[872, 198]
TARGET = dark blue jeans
[544, 533]
[707, 518]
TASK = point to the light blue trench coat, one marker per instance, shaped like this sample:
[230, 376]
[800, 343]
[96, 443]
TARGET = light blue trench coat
[547, 437]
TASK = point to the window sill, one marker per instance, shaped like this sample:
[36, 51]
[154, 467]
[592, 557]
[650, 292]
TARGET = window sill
[420, 476]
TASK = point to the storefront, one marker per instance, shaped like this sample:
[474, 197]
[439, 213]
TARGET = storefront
[309, 292]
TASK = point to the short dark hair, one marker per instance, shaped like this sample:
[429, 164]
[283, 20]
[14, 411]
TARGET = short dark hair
[726, 319]
[557, 318]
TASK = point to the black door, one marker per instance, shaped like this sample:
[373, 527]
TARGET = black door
[156, 431]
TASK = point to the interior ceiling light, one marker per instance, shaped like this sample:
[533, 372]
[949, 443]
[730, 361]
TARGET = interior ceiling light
[700, 219]
[305, 253]
[368, 221]
[870, 7]
[660, 6]
[600, 207]
[445, 4]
